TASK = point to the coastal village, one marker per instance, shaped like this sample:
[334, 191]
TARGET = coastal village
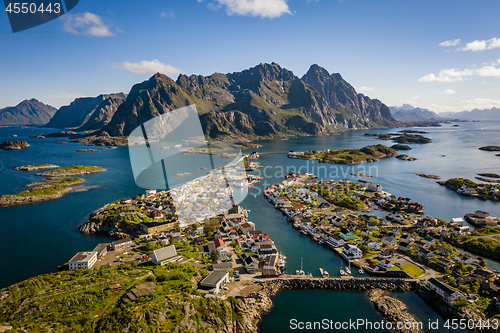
[239, 258]
[236, 260]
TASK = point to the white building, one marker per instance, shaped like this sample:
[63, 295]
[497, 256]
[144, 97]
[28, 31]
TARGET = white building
[83, 260]
[163, 255]
[351, 252]
[216, 280]
[448, 293]
[374, 246]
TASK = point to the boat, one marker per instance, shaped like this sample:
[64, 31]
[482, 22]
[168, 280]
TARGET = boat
[325, 274]
[321, 242]
[301, 272]
[303, 232]
[342, 272]
[361, 271]
[348, 269]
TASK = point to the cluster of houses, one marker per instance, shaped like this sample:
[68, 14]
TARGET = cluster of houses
[469, 190]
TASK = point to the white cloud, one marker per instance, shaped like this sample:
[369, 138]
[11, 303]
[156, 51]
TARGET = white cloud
[481, 103]
[86, 24]
[168, 14]
[481, 45]
[365, 88]
[451, 42]
[445, 92]
[454, 74]
[262, 8]
[145, 66]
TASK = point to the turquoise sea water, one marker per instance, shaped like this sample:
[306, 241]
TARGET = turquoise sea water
[37, 238]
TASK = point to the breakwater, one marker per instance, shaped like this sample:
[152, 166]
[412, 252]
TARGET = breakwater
[290, 282]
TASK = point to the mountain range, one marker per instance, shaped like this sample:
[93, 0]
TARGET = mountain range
[29, 111]
[410, 114]
[493, 113]
[264, 101]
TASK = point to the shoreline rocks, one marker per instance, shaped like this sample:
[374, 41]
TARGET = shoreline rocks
[490, 148]
[393, 311]
[73, 170]
[14, 145]
[428, 176]
[404, 157]
[34, 167]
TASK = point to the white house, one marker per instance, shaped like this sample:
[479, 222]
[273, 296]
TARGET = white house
[384, 263]
[351, 252]
[404, 246]
[215, 280]
[164, 255]
[333, 241]
[390, 241]
[251, 265]
[374, 246]
[83, 260]
[448, 293]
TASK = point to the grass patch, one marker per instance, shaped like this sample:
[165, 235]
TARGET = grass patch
[413, 270]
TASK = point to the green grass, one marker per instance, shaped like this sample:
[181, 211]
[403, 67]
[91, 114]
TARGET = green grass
[72, 169]
[413, 270]
[50, 190]
[350, 156]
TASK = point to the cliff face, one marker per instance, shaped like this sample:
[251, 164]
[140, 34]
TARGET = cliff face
[29, 111]
[98, 110]
[264, 101]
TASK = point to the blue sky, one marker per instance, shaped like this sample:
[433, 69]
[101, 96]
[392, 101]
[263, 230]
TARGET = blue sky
[443, 55]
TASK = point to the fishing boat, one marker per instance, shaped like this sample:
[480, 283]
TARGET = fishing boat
[320, 242]
[325, 274]
[281, 261]
[361, 271]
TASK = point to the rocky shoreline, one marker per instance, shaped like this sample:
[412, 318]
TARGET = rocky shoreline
[34, 167]
[14, 145]
[447, 310]
[428, 176]
[10, 201]
[394, 311]
[405, 157]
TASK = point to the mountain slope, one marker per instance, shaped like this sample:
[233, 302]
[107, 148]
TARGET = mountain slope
[264, 101]
[104, 112]
[409, 114]
[82, 109]
[29, 111]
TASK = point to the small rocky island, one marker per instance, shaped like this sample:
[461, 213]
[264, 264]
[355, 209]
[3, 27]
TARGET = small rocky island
[33, 167]
[401, 137]
[14, 145]
[428, 176]
[490, 148]
[348, 156]
[73, 170]
[58, 183]
[406, 158]
[183, 174]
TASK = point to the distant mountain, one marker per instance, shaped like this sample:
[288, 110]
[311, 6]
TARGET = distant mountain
[87, 113]
[409, 114]
[29, 111]
[493, 113]
[263, 101]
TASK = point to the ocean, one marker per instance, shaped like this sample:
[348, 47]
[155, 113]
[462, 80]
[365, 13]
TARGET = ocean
[39, 237]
